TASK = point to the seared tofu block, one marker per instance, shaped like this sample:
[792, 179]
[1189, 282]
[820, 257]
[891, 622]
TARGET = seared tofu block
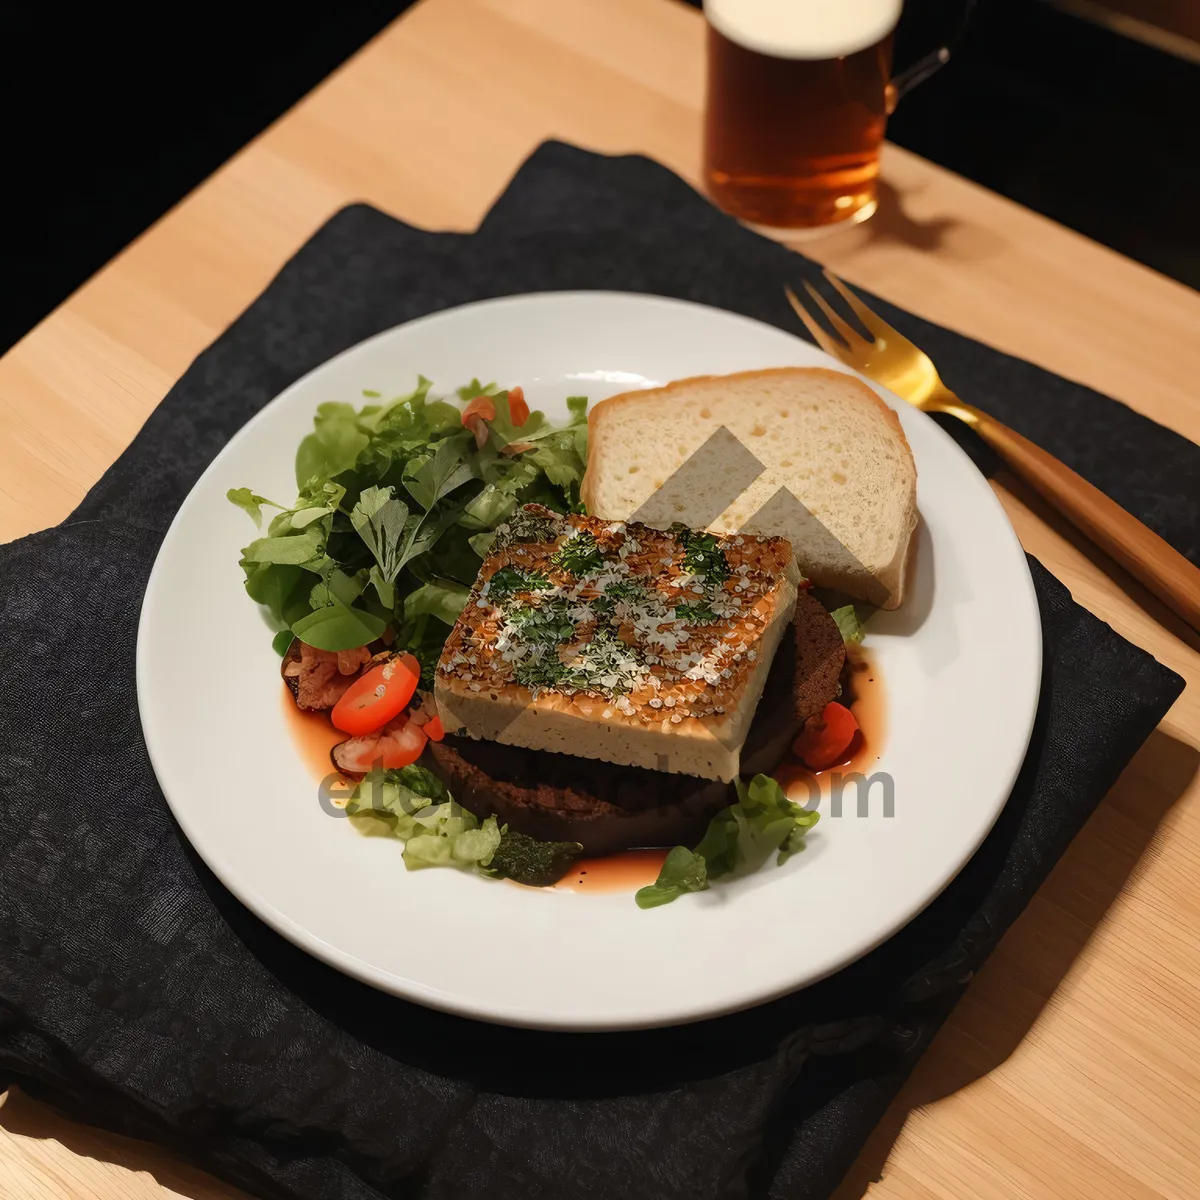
[642, 647]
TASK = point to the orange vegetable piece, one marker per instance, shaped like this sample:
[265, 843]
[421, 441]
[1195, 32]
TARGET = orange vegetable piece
[518, 410]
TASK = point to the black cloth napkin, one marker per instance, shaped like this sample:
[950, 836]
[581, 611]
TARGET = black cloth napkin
[136, 993]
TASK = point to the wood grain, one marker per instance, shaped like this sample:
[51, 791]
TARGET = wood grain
[1072, 1067]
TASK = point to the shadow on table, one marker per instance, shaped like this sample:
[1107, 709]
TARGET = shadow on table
[34, 1124]
[894, 222]
[998, 1011]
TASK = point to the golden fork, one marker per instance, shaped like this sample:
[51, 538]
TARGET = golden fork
[892, 360]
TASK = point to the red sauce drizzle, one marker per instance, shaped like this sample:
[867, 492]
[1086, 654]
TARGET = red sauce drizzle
[314, 736]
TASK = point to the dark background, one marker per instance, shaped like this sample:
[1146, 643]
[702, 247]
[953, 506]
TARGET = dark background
[112, 114]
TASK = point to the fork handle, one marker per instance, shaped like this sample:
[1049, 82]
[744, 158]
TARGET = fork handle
[1170, 576]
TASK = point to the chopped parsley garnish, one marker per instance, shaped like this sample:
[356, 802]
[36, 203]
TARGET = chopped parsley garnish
[702, 555]
[580, 555]
[546, 623]
[628, 589]
[528, 861]
[527, 526]
[508, 581]
[698, 613]
[607, 664]
[541, 669]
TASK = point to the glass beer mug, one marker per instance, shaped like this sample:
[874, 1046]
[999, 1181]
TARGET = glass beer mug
[799, 92]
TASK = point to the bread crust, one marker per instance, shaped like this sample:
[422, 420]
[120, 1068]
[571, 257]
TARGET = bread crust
[893, 575]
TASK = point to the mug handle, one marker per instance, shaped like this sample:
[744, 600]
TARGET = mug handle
[917, 73]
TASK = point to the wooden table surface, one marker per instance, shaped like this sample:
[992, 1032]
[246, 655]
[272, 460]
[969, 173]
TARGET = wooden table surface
[1072, 1066]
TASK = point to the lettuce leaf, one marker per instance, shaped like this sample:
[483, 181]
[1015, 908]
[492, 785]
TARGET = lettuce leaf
[334, 444]
[848, 624]
[396, 509]
[683, 871]
[339, 627]
[448, 835]
[441, 598]
[291, 550]
[738, 841]
[248, 502]
[412, 804]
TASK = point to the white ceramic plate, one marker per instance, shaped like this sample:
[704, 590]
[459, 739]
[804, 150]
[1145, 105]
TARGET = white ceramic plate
[961, 661]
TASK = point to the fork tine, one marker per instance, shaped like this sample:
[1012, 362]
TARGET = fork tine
[849, 335]
[870, 320]
[829, 344]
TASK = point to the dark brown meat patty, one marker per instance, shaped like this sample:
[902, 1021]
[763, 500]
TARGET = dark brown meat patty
[559, 797]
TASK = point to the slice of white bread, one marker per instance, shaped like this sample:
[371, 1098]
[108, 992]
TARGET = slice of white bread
[819, 437]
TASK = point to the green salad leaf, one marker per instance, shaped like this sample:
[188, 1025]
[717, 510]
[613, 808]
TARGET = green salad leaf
[448, 835]
[470, 390]
[683, 871]
[431, 477]
[848, 623]
[420, 781]
[339, 627]
[285, 551]
[396, 508]
[441, 598]
[379, 519]
[333, 445]
[413, 805]
[248, 502]
[738, 841]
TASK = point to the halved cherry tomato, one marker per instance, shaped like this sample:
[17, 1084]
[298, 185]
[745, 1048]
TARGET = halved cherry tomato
[377, 697]
[402, 747]
[481, 406]
[518, 410]
[400, 743]
[433, 729]
[825, 738]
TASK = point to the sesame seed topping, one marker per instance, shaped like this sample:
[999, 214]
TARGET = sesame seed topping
[602, 621]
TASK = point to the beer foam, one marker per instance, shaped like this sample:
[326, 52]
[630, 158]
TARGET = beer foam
[812, 29]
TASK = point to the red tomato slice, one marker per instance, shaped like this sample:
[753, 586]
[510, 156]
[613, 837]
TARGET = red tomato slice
[824, 739]
[433, 729]
[518, 410]
[377, 697]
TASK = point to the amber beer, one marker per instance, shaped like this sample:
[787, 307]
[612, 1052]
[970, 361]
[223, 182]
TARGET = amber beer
[796, 107]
